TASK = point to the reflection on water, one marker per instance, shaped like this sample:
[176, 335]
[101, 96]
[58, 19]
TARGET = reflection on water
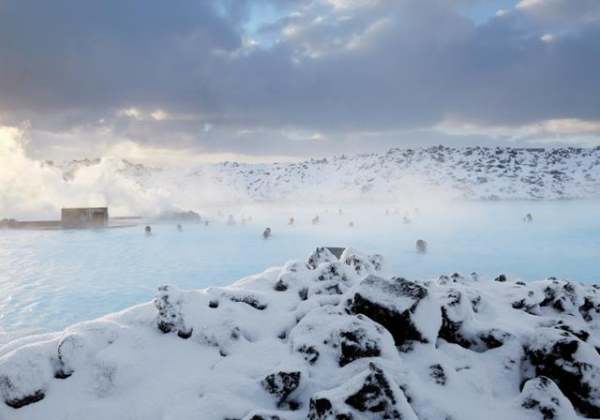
[50, 279]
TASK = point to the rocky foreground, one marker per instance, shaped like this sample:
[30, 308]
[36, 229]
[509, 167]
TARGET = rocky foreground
[326, 338]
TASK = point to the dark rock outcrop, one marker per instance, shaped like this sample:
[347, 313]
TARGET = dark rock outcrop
[571, 363]
[281, 385]
[391, 303]
[371, 394]
[319, 256]
[168, 301]
[542, 396]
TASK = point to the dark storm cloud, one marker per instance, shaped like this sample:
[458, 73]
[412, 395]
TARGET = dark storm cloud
[326, 72]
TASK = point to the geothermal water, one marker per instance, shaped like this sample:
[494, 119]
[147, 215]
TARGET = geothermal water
[51, 279]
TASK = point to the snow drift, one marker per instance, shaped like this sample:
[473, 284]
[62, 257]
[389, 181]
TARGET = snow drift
[327, 338]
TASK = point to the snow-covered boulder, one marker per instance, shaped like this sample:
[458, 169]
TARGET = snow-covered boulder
[370, 395]
[333, 339]
[169, 302]
[319, 256]
[571, 363]
[25, 375]
[399, 305]
[281, 385]
[543, 400]
[459, 322]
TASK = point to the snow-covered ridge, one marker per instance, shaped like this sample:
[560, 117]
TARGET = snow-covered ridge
[471, 172]
[325, 338]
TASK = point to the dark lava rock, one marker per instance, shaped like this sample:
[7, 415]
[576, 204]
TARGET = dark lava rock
[356, 344]
[303, 293]
[455, 330]
[280, 286]
[168, 301]
[310, 353]
[582, 334]
[438, 374]
[320, 255]
[362, 264]
[371, 393]
[571, 363]
[451, 331]
[543, 396]
[332, 271]
[501, 278]
[281, 385]
[26, 400]
[528, 304]
[249, 300]
[590, 309]
[63, 370]
[392, 304]
[561, 296]
[256, 415]
[19, 396]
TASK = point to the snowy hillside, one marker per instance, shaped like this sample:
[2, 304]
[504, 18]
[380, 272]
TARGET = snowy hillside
[471, 173]
[322, 339]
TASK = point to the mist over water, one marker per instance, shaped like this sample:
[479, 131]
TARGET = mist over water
[51, 279]
[37, 189]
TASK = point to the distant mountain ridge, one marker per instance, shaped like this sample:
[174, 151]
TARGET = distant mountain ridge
[475, 173]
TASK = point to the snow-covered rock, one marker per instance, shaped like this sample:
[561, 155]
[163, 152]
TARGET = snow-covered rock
[543, 399]
[471, 172]
[322, 338]
[370, 395]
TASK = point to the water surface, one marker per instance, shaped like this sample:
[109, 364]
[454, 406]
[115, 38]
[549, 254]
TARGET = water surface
[51, 279]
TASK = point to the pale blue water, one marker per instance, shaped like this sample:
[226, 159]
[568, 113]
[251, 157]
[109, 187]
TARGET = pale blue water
[51, 279]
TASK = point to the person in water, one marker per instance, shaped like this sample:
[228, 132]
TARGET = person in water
[421, 246]
[291, 221]
[351, 224]
[528, 218]
[148, 230]
[315, 220]
[267, 233]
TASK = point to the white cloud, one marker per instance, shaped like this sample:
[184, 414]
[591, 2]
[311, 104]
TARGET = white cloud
[561, 129]
[131, 113]
[548, 38]
[159, 115]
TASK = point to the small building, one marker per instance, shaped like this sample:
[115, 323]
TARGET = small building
[84, 217]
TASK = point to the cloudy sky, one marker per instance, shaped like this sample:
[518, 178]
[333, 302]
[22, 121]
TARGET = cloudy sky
[264, 79]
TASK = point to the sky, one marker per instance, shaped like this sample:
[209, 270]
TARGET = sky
[259, 80]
